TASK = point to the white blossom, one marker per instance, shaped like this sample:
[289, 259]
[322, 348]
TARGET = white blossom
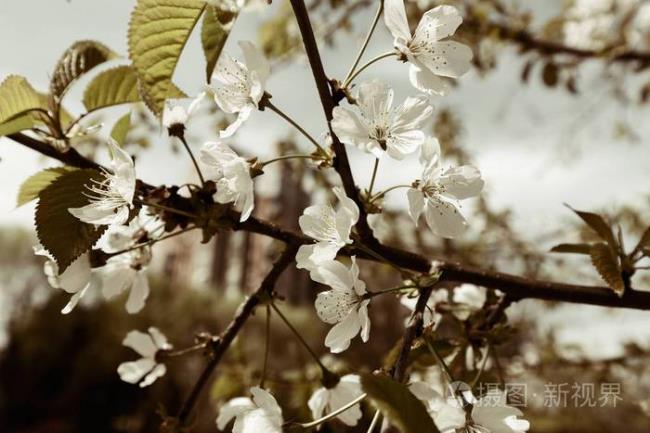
[378, 128]
[127, 270]
[331, 230]
[447, 413]
[430, 56]
[146, 369]
[174, 115]
[232, 174]
[325, 400]
[241, 85]
[112, 198]
[470, 298]
[76, 279]
[345, 306]
[492, 413]
[259, 414]
[438, 192]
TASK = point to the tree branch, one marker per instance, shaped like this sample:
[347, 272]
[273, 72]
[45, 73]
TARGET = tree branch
[516, 287]
[341, 162]
[225, 340]
[413, 331]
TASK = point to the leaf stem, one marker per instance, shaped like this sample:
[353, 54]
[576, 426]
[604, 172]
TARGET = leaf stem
[293, 123]
[366, 41]
[299, 337]
[335, 413]
[370, 62]
[189, 151]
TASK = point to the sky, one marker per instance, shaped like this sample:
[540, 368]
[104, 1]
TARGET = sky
[536, 148]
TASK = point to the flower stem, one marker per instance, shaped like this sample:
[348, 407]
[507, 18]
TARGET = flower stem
[384, 192]
[293, 123]
[167, 208]
[181, 352]
[299, 337]
[335, 413]
[285, 157]
[152, 241]
[362, 68]
[391, 290]
[482, 368]
[366, 41]
[374, 175]
[267, 346]
[196, 164]
[374, 422]
[440, 361]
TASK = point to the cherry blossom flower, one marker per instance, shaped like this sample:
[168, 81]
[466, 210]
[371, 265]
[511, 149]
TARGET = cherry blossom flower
[232, 174]
[438, 192]
[430, 56]
[379, 128]
[492, 413]
[345, 306]
[447, 413]
[146, 369]
[252, 415]
[328, 400]
[174, 115]
[76, 279]
[112, 198]
[331, 230]
[127, 271]
[241, 85]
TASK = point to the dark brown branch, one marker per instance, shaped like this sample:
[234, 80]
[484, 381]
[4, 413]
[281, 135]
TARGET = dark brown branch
[225, 340]
[516, 287]
[71, 157]
[341, 162]
[528, 41]
[413, 331]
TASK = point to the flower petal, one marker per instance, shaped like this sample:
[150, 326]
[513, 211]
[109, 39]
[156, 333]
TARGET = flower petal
[338, 338]
[317, 402]
[426, 81]
[437, 24]
[255, 60]
[134, 371]
[444, 218]
[448, 58]
[77, 276]
[142, 343]
[158, 371]
[233, 408]
[416, 204]
[139, 293]
[462, 182]
[395, 19]
[264, 400]
[351, 130]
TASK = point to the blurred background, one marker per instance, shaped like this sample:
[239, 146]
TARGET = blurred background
[544, 126]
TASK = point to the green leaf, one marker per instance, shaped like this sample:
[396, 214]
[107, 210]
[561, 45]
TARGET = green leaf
[572, 248]
[18, 124]
[112, 87]
[63, 235]
[216, 26]
[158, 32]
[17, 97]
[80, 58]
[33, 185]
[607, 266]
[398, 404]
[598, 224]
[121, 129]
